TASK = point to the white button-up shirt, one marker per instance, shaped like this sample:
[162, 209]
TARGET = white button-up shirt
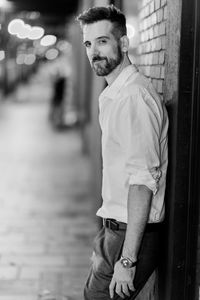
[134, 126]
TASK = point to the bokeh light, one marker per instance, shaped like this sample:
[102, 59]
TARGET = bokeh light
[51, 54]
[48, 40]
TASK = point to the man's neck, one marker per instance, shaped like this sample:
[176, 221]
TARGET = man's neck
[115, 73]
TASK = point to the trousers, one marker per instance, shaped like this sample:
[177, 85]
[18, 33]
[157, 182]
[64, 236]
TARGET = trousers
[107, 249]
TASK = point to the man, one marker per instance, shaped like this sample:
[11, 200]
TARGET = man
[134, 128]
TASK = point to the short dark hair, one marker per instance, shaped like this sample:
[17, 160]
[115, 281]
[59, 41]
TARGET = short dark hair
[110, 13]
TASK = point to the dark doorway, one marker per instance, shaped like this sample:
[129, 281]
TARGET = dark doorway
[183, 194]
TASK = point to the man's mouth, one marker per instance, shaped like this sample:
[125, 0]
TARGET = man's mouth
[97, 60]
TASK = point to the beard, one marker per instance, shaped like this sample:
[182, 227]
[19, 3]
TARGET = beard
[103, 66]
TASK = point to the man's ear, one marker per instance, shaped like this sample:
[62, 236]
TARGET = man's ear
[124, 43]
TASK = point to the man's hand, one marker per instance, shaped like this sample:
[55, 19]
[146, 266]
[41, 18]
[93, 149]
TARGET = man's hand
[122, 281]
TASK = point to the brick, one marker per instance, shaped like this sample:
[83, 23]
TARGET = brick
[149, 22]
[145, 47]
[161, 57]
[158, 45]
[163, 2]
[147, 11]
[153, 19]
[141, 49]
[147, 71]
[160, 86]
[157, 4]
[151, 33]
[142, 37]
[162, 73]
[145, 24]
[155, 31]
[154, 82]
[165, 15]
[148, 47]
[155, 58]
[162, 28]
[151, 8]
[149, 58]
[163, 42]
[146, 36]
[155, 72]
[153, 44]
[160, 14]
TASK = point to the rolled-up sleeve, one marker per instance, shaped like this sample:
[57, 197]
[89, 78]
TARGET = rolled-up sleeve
[139, 126]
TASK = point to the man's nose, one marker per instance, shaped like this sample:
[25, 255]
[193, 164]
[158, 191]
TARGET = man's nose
[94, 50]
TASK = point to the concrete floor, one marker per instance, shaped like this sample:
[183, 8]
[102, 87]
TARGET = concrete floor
[47, 221]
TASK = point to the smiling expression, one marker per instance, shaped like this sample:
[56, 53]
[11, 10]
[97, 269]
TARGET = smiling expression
[102, 47]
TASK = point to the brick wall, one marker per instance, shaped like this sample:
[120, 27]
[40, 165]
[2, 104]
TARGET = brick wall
[153, 15]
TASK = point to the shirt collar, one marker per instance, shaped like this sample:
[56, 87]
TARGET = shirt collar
[112, 90]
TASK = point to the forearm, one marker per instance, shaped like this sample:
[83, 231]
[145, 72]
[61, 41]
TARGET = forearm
[139, 203]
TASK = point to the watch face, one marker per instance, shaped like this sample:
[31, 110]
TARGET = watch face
[126, 263]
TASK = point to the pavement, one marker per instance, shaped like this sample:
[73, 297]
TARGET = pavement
[47, 220]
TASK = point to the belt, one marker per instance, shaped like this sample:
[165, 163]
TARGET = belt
[116, 225]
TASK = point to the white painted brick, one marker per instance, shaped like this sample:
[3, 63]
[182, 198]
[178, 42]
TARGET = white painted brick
[155, 31]
[151, 33]
[151, 9]
[157, 4]
[163, 42]
[162, 28]
[163, 2]
[165, 13]
[160, 86]
[154, 82]
[145, 24]
[149, 21]
[154, 18]
[161, 57]
[147, 71]
[162, 74]
[155, 58]
[155, 72]
[160, 15]
[158, 44]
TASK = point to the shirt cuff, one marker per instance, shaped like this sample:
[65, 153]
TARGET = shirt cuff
[146, 177]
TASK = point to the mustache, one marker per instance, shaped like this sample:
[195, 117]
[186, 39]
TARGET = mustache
[98, 58]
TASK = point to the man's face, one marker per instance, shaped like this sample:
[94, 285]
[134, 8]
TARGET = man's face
[102, 48]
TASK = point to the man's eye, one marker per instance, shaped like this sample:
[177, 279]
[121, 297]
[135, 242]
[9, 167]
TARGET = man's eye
[87, 45]
[102, 41]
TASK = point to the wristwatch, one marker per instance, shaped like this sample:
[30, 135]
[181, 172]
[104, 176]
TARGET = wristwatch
[127, 262]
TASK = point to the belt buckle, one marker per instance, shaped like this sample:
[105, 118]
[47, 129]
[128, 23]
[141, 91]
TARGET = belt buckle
[112, 224]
